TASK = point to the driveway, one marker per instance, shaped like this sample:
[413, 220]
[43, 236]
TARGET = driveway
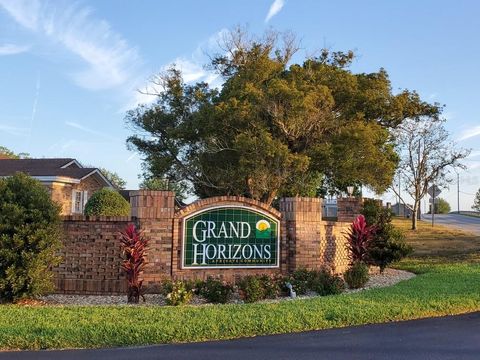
[451, 337]
[463, 222]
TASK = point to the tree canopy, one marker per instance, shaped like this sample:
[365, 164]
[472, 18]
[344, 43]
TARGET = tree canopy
[6, 153]
[427, 154]
[476, 201]
[115, 179]
[30, 238]
[275, 127]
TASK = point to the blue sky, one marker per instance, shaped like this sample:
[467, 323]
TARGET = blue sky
[70, 69]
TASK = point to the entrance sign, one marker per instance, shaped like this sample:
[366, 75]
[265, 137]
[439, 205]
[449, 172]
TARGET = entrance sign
[230, 237]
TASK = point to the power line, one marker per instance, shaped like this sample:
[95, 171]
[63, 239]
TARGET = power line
[466, 193]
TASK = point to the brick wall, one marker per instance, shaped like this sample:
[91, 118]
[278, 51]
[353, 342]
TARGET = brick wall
[91, 251]
[91, 255]
[153, 213]
[313, 242]
[348, 208]
[62, 194]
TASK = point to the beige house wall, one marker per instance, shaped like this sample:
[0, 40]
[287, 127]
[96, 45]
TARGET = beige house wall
[61, 193]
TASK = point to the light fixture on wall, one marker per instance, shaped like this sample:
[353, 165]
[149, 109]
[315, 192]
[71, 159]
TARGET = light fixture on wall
[350, 191]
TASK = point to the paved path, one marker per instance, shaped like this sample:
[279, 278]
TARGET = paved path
[451, 337]
[463, 222]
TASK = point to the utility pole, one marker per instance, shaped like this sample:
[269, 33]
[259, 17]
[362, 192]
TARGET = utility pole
[399, 189]
[433, 206]
[458, 192]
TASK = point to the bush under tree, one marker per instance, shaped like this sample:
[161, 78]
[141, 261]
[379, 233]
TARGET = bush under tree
[388, 243]
[216, 291]
[357, 275]
[29, 238]
[107, 202]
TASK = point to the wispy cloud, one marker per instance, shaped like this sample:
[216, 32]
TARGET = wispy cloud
[14, 130]
[34, 110]
[275, 8]
[110, 60]
[192, 68]
[470, 133]
[12, 49]
[90, 131]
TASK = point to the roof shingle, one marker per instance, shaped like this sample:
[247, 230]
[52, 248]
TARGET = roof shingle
[42, 167]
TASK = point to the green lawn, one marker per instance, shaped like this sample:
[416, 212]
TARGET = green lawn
[448, 282]
[440, 289]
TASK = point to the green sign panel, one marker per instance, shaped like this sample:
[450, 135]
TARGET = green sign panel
[230, 237]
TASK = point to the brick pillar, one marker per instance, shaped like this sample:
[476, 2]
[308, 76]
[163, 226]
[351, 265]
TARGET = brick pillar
[303, 220]
[153, 212]
[348, 209]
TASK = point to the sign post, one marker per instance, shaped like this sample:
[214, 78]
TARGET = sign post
[434, 191]
[230, 237]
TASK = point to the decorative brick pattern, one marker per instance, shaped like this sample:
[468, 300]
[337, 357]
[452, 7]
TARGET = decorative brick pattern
[92, 254]
[313, 243]
[153, 212]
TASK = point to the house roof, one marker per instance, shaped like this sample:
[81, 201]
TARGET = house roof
[49, 169]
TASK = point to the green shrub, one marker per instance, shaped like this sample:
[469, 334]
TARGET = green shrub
[271, 286]
[29, 238]
[259, 287]
[388, 243]
[251, 288]
[107, 202]
[166, 287]
[389, 248]
[300, 280]
[357, 275]
[216, 291]
[193, 286]
[324, 282]
[179, 294]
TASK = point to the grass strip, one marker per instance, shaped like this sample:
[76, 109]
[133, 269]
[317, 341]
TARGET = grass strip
[440, 289]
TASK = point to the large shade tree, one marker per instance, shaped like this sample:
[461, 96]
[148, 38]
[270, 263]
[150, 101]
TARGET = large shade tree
[275, 127]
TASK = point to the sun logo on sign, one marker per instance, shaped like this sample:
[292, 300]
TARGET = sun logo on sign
[262, 229]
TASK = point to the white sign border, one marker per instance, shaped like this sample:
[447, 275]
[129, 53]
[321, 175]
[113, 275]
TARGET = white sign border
[275, 266]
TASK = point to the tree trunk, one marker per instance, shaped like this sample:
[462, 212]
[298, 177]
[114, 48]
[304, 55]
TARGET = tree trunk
[270, 197]
[416, 205]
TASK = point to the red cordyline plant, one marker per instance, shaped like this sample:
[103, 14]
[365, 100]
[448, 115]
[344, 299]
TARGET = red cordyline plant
[134, 260]
[359, 237]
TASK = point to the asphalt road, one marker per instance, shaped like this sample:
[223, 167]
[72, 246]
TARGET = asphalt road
[451, 337]
[463, 222]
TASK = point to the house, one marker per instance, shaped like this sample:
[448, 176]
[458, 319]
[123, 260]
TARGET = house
[401, 210]
[69, 183]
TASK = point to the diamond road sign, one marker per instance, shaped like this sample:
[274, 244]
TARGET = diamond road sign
[434, 191]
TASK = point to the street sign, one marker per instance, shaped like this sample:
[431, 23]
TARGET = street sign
[434, 191]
